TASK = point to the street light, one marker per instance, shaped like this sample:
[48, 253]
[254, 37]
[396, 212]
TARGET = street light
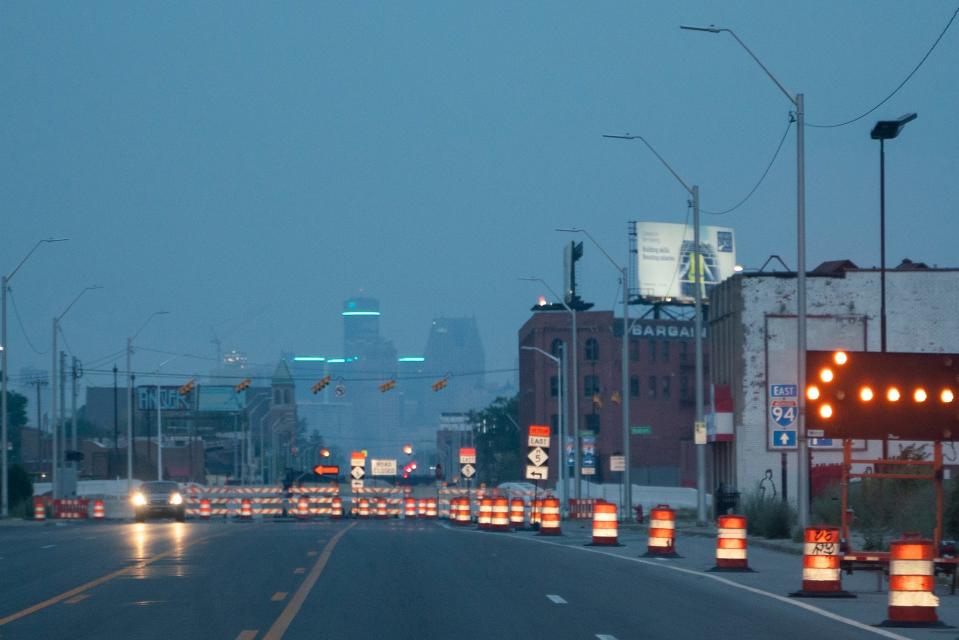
[699, 439]
[627, 474]
[574, 388]
[798, 101]
[885, 130]
[56, 479]
[563, 471]
[160, 419]
[130, 398]
[4, 347]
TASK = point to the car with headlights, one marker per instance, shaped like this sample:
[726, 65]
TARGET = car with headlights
[158, 499]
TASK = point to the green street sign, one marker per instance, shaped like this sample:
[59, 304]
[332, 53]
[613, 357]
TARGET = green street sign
[643, 430]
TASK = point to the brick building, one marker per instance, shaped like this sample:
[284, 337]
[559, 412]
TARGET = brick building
[661, 388]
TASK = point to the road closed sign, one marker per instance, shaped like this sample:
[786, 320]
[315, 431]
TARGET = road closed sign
[382, 467]
[538, 436]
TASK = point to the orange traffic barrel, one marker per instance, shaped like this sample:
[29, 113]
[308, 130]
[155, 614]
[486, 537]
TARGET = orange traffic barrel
[731, 544]
[364, 510]
[461, 508]
[534, 514]
[421, 508]
[912, 582]
[821, 571]
[39, 509]
[431, 510]
[409, 508]
[485, 519]
[517, 513]
[549, 524]
[605, 527]
[246, 510]
[499, 517]
[381, 509]
[662, 532]
[302, 507]
[205, 508]
[99, 511]
[337, 510]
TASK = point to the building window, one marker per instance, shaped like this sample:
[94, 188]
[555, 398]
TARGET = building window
[277, 397]
[590, 386]
[634, 386]
[666, 381]
[592, 350]
[652, 387]
[683, 351]
[634, 350]
[592, 422]
[665, 347]
[652, 350]
[554, 386]
[684, 388]
[556, 348]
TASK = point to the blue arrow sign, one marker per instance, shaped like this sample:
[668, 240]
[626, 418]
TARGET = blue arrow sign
[784, 439]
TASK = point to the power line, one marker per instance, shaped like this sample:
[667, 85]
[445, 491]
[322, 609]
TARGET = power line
[901, 84]
[23, 329]
[374, 376]
[761, 178]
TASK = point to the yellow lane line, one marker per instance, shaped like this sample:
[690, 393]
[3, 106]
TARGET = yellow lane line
[49, 602]
[279, 595]
[248, 634]
[78, 598]
[296, 602]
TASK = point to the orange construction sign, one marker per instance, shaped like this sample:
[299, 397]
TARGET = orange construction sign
[538, 430]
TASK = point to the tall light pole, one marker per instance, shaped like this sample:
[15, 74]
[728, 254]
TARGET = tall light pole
[4, 348]
[798, 101]
[160, 419]
[700, 443]
[130, 396]
[627, 474]
[882, 131]
[573, 389]
[54, 422]
[561, 426]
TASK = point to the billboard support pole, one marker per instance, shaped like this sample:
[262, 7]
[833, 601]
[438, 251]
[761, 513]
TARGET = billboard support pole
[700, 446]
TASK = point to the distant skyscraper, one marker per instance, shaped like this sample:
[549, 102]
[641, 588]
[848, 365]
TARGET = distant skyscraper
[454, 346]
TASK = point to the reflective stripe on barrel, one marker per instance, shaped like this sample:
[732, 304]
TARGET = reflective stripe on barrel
[99, 512]
[662, 530]
[821, 557]
[912, 581]
[381, 509]
[421, 508]
[605, 528]
[205, 508]
[461, 512]
[517, 512]
[39, 509]
[431, 508]
[409, 508]
[337, 511]
[246, 510]
[550, 518]
[731, 542]
[303, 507]
[364, 510]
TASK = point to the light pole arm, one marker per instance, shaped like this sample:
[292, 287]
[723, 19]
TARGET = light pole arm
[79, 295]
[27, 257]
[548, 355]
[669, 167]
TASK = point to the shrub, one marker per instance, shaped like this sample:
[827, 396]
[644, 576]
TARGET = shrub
[768, 517]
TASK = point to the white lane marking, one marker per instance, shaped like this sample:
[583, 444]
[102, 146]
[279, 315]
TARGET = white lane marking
[556, 599]
[605, 636]
[48, 546]
[702, 574]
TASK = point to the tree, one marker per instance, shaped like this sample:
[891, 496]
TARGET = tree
[496, 434]
[16, 418]
[21, 488]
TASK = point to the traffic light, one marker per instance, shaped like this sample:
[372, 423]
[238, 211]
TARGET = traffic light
[439, 384]
[321, 384]
[873, 395]
[187, 388]
[387, 386]
[408, 449]
[244, 384]
[324, 452]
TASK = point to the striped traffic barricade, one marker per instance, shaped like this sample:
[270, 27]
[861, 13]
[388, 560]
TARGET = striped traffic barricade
[821, 571]
[550, 518]
[517, 513]
[731, 544]
[912, 583]
[662, 532]
[605, 525]
[302, 508]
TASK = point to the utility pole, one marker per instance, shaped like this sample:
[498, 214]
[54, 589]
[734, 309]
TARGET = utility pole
[61, 431]
[73, 410]
[116, 415]
[39, 382]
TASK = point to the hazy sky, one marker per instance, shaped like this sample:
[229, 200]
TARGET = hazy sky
[251, 165]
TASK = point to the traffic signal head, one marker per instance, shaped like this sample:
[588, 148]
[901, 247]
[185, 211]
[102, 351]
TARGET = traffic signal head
[244, 384]
[439, 384]
[388, 385]
[187, 388]
[324, 452]
[872, 395]
[408, 449]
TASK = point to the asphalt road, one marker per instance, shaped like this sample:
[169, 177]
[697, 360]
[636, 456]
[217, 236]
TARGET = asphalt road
[371, 579]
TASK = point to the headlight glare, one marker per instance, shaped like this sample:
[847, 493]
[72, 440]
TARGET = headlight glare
[176, 498]
[138, 499]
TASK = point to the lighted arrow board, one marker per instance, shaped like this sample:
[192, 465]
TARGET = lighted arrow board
[874, 395]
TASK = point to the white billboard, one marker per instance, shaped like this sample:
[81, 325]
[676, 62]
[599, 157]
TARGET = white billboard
[666, 268]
